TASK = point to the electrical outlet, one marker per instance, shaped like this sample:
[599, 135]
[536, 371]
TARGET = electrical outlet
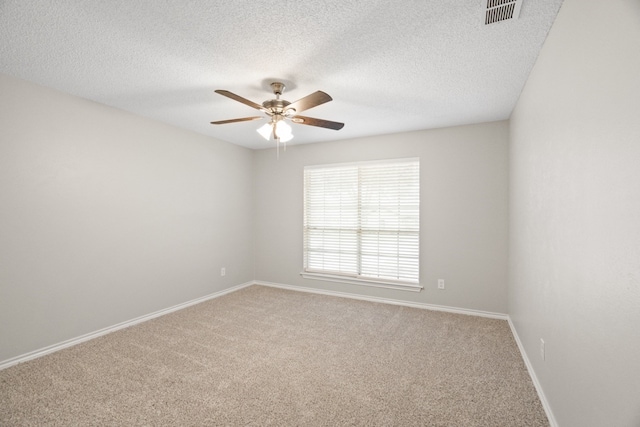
[440, 283]
[542, 348]
[223, 271]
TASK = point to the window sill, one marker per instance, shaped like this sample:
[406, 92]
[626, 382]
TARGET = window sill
[412, 287]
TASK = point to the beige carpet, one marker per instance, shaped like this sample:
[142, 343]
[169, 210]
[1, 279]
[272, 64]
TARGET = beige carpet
[264, 356]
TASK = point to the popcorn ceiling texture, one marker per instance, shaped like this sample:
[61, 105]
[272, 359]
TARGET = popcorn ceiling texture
[390, 67]
[264, 356]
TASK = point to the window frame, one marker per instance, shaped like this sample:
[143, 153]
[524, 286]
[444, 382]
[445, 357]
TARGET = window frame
[356, 279]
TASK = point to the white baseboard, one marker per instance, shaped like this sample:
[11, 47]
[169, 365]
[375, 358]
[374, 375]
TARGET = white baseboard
[74, 341]
[386, 300]
[532, 374]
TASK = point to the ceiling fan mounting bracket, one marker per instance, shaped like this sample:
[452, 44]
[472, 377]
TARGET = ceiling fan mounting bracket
[277, 88]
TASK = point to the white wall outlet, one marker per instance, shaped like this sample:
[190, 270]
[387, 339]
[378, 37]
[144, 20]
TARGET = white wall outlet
[223, 271]
[542, 348]
[440, 283]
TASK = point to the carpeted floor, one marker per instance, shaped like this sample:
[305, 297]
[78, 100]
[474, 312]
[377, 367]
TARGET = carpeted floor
[265, 356]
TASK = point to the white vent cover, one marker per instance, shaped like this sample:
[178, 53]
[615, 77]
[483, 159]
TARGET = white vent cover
[501, 10]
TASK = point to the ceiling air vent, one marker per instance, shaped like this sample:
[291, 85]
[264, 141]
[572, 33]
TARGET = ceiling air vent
[502, 10]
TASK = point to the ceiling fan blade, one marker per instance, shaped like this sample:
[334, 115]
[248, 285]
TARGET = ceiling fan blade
[239, 99]
[302, 120]
[309, 101]
[243, 119]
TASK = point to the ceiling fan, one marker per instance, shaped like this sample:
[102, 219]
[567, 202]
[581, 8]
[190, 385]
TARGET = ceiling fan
[279, 110]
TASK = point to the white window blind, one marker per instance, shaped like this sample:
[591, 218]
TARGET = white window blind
[362, 221]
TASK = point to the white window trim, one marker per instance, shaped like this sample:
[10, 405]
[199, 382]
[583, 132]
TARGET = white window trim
[361, 280]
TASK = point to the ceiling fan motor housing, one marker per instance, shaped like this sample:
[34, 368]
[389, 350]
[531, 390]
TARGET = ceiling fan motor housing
[275, 106]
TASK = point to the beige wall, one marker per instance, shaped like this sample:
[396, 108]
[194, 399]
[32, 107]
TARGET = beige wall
[575, 214]
[106, 216]
[463, 212]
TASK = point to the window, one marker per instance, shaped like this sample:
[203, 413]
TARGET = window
[362, 223]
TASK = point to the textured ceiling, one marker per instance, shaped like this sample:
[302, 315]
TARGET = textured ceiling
[389, 66]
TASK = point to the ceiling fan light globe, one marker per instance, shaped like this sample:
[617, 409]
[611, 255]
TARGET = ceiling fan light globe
[265, 131]
[283, 131]
[286, 138]
[283, 128]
